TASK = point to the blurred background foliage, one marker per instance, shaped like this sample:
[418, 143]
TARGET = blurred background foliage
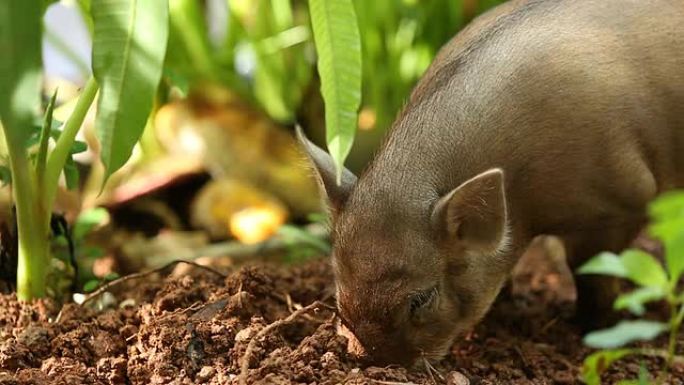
[262, 50]
[218, 159]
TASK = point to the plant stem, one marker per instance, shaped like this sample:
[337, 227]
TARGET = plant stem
[33, 247]
[676, 316]
[675, 323]
[34, 199]
[59, 154]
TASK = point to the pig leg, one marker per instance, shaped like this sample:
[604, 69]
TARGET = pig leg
[596, 293]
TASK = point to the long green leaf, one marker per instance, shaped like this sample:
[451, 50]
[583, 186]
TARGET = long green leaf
[41, 158]
[20, 68]
[338, 45]
[129, 46]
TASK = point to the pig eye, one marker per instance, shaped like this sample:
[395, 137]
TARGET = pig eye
[421, 299]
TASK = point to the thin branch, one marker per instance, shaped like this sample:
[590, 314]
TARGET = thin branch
[249, 352]
[129, 277]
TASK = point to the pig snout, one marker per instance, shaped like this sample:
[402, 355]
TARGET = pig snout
[377, 347]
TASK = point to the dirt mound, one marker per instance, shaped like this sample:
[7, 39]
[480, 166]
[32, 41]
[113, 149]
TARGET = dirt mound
[275, 325]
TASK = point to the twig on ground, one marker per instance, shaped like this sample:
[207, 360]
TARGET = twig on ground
[522, 356]
[244, 366]
[431, 370]
[548, 325]
[129, 277]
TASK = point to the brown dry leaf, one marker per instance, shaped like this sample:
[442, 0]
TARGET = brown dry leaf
[236, 141]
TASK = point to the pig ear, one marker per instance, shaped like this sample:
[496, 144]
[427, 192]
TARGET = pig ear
[474, 213]
[325, 173]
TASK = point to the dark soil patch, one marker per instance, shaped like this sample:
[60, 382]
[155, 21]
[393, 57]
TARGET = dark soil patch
[195, 329]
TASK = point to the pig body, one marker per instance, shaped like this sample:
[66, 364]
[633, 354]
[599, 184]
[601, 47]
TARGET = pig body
[542, 117]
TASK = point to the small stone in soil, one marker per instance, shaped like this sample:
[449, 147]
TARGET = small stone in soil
[457, 378]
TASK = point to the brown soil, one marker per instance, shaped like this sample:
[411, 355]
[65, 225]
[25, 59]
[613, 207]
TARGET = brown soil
[198, 328]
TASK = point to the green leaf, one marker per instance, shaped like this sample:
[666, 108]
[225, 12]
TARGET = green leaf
[635, 265]
[666, 229]
[294, 234]
[674, 255]
[643, 269]
[129, 46]
[5, 175]
[91, 285]
[78, 147]
[338, 45]
[624, 333]
[634, 301]
[604, 263]
[91, 252]
[20, 68]
[189, 46]
[71, 175]
[643, 374]
[178, 80]
[88, 220]
[668, 221]
[41, 160]
[667, 206]
[598, 362]
[317, 218]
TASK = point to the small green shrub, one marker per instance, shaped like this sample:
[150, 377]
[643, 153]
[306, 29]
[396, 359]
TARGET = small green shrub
[654, 282]
[129, 46]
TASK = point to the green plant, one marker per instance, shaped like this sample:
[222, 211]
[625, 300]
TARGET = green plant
[129, 45]
[71, 247]
[264, 55]
[654, 282]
